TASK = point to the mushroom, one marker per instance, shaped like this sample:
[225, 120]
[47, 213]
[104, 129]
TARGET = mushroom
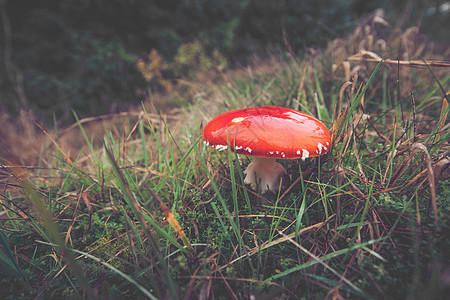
[267, 133]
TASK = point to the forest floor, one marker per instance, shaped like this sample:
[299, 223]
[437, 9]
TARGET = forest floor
[136, 205]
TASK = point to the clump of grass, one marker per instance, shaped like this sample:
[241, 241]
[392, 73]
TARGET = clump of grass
[151, 211]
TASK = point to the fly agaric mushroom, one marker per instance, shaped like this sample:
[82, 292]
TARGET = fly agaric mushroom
[267, 133]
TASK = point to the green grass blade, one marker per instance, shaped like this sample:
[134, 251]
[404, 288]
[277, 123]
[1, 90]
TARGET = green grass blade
[8, 263]
[136, 208]
[120, 273]
[324, 258]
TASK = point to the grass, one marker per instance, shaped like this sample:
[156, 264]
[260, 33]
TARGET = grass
[154, 213]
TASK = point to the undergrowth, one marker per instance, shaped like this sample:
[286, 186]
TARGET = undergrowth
[153, 212]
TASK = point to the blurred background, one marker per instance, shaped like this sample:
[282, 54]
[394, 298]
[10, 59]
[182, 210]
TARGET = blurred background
[100, 56]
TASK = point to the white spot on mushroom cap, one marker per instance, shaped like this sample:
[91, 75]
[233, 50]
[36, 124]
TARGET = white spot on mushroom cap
[225, 147]
[320, 147]
[221, 147]
[206, 143]
[237, 120]
[305, 154]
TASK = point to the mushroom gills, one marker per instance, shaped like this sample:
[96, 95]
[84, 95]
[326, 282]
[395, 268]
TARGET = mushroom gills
[265, 172]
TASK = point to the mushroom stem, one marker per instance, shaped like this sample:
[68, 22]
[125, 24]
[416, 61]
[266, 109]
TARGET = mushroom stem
[265, 172]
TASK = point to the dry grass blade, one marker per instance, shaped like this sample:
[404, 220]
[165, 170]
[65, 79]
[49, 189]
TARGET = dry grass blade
[339, 113]
[72, 221]
[232, 278]
[172, 220]
[190, 288]
[66, 157]
[229, 288]
[415, 148]
[7, 175]
[320, 261]
[300, 89]
[373, 57]
[89, 206]
[443, 116]
[153, 172]
[333, 294]
[440, 166]
[358, 160]
[266, 245]
[108, 117]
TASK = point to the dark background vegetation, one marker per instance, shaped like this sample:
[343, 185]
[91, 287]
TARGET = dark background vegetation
[58, 55]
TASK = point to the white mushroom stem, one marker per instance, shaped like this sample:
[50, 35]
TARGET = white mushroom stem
[265, 172]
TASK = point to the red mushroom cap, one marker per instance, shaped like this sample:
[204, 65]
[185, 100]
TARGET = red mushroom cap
[269, 131]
